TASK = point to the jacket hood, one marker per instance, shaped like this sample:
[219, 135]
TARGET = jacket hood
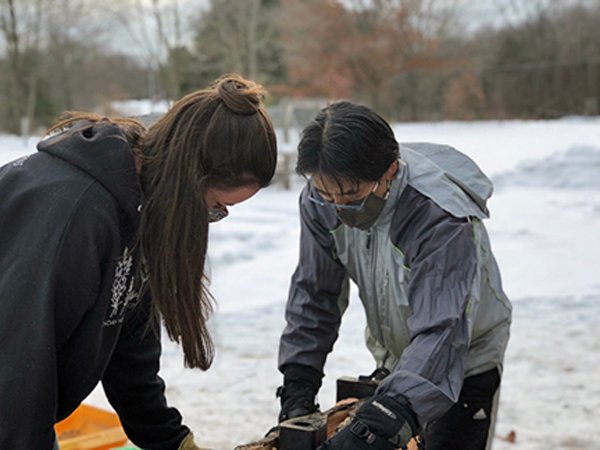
[100, 150]
[443, 174]
[448, 177]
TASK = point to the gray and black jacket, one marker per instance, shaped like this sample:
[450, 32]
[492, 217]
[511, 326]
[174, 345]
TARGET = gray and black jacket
[436, 312]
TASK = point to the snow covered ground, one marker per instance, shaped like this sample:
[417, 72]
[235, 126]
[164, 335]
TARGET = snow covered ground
[545, 229]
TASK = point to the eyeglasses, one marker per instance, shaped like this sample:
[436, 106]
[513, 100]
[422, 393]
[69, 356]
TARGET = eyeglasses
[352, 206]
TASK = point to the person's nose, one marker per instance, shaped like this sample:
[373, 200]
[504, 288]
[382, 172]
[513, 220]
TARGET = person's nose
[338, 199]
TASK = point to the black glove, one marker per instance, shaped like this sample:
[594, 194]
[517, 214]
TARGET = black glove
[300, 387]
[381, 423]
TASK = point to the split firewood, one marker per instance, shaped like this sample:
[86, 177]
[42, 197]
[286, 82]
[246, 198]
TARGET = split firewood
[337, 418]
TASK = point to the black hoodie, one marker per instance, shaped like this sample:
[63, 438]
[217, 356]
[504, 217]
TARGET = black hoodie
[70, 310]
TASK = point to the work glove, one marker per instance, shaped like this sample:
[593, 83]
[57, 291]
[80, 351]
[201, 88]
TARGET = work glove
[381, 423]
[188, 443]
[297, 395]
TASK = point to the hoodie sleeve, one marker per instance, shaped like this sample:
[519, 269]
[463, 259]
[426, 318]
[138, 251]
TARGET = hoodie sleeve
[441, 254]
[28, 378]
[135, 390]
[41, 242]
[318, 293]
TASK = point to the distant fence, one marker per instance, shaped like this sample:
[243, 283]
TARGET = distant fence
[289, 117]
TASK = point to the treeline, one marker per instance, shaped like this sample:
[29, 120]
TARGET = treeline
[409, 59]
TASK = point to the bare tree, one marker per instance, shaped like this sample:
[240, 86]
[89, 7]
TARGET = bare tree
[377, 51]
[21, 28]
[72, 27]
[158, 31]
[237, 36]
[44, 39]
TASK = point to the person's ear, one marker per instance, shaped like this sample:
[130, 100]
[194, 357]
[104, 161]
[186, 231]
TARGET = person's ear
[391, 171]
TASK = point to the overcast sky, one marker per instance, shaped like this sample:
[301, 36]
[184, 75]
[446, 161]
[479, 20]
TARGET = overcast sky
[471, 14]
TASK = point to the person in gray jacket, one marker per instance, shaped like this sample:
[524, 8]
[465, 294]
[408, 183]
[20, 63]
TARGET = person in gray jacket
[404, 223]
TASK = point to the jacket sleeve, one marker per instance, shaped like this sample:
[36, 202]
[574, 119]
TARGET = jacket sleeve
[443, 265]
[318, 293]
[42, 242]
[135, 390]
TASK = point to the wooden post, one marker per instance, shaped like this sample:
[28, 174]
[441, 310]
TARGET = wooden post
[286, 170]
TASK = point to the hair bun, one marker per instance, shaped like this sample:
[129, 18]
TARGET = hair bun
[239, 95]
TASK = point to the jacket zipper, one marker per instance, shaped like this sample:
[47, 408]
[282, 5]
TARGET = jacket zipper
[374, 261]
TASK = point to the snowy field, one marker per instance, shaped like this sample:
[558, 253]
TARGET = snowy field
[545, 229]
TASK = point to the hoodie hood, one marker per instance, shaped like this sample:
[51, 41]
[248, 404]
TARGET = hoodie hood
[100, 149]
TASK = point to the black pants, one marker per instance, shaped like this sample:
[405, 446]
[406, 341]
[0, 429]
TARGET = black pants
[466, 425]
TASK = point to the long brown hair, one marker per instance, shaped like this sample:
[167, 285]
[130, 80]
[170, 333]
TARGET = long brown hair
[218, 137]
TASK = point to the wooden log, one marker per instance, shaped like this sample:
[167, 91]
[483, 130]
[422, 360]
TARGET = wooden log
[337, 419]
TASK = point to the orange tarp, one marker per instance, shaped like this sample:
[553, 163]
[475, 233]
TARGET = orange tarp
[90, 428]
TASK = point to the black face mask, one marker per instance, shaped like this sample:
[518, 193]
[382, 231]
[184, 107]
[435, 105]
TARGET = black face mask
[365, 217]
[215, 214]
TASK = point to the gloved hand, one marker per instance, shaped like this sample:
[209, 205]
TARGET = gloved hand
[381, 423]
[300, 387]
[189, 444]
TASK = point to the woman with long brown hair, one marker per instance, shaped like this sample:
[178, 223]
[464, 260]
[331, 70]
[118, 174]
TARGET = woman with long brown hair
[103, 236]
